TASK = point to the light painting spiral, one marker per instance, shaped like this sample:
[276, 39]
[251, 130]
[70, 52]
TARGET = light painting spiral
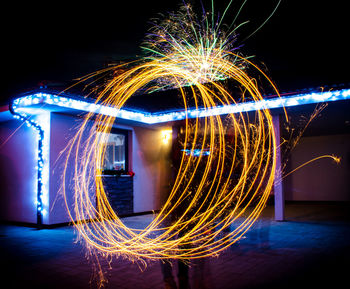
[226, 168]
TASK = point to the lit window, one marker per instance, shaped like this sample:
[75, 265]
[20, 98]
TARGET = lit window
[115, 157]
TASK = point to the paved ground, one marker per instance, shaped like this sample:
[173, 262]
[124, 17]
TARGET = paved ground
[310, 250]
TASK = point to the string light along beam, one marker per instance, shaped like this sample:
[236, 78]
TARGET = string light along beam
[40, 123]
[40, 100]
[154, 118]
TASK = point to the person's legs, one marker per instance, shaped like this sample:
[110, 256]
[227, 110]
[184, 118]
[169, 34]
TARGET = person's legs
[167, 272]
[183, 275]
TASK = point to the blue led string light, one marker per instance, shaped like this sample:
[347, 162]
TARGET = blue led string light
[196, 152]
[30, 123]
[154, 118]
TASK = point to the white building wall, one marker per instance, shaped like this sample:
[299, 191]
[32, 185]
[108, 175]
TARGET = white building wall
[63, 129]
[152, 167]
[149, 158]
[18, 173]
[322, 180]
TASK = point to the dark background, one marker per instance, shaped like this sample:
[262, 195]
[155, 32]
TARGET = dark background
[305, 43]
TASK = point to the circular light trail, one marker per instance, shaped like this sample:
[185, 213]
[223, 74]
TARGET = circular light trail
[227, 164]
[211, 193]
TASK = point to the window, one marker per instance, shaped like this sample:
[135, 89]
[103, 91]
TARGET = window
[116, 154]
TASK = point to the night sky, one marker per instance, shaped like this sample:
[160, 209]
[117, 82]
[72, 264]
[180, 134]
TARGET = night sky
[303, 45]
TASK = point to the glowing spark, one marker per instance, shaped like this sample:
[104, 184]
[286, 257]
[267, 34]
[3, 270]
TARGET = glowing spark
[334, 158]
[337, 159]
[193, 44]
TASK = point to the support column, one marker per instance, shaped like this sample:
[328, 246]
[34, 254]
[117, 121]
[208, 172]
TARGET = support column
[278, 185]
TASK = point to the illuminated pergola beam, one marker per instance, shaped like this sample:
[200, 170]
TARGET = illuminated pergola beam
[44, 99]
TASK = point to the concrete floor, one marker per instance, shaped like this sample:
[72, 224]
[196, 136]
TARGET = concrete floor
[310, 250]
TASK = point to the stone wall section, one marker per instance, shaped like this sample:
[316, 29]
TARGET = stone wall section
[120, 193]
